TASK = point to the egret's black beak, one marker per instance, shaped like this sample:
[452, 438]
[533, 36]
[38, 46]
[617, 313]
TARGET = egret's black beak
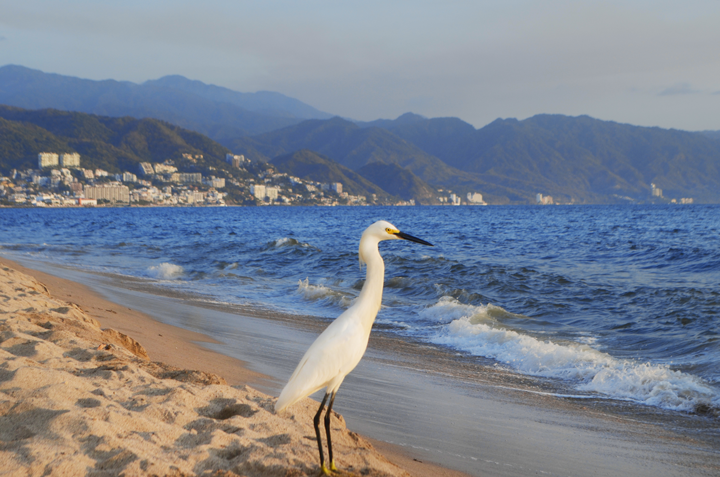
[409, 237]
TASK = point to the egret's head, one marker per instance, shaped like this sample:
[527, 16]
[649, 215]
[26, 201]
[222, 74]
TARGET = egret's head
[383, 230]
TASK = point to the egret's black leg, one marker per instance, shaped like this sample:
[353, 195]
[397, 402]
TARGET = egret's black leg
[317, 432]
[327, 430]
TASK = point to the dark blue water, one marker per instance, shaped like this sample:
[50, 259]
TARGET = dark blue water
[620, 301]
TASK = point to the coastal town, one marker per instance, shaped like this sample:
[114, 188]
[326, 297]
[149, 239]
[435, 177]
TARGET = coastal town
[60, 180]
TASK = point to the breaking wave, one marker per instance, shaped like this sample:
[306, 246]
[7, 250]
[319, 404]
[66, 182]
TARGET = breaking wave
[165, 271]
[476, 330]
[323, 294]
[289, 242]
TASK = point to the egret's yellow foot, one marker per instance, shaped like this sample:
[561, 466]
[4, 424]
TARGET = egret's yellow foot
[332, 467]
[328, 471]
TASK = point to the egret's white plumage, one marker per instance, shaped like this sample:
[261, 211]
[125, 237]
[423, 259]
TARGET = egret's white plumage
[341, 346]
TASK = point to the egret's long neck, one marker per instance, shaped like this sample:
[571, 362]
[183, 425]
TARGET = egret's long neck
[370, 297]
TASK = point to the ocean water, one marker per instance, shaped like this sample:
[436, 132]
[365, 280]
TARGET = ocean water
[619, 302]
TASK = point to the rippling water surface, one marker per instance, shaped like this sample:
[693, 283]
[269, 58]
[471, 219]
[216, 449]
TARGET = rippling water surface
[619, 301]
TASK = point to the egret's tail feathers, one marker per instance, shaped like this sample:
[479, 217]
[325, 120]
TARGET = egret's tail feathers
[283, 402]
[292, 394]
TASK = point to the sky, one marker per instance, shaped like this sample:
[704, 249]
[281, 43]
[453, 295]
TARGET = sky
[647, 63]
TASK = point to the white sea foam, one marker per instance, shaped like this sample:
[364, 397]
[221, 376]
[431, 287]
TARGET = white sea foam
[281, 242]
[165, 271]
[473, 329]
[448, 309]
[289, 242]
[323, 293]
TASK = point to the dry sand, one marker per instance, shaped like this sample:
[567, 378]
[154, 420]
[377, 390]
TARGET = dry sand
[79, 395]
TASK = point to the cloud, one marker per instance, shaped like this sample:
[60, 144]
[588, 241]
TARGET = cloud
[678, 88]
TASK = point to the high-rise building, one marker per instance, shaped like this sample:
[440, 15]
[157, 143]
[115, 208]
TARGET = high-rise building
[217, 182]
[47, 159]
[146, 169]
[258, 191]
[70, 160]
[165, 169]
[190, 177]
[113, 193]
[474, 197]
[271, 193]
[234, 160]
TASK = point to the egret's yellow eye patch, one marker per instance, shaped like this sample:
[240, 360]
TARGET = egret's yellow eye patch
[392, 231]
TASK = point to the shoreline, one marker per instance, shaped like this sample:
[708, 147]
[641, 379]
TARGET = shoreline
[181, 348]
[511, 423]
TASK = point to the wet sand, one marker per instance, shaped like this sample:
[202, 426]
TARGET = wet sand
[430, 405]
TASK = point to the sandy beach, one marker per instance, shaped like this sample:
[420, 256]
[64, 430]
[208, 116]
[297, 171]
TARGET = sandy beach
[94, 388]
[79, 396]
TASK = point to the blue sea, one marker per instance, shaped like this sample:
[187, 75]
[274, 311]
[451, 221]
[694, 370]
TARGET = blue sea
[619, 302]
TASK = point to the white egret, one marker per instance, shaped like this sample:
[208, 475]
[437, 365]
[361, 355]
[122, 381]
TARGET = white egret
[340, 347]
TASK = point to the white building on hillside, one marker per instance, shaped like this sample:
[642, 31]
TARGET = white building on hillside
[234, 160]
[146, 169]
[475, 198]
[111, 192]
[47, 159]
[544, 199]
[216, 182]
[165, 169]
[258, 191]
[271, 193]
[70, 160]
[191, 177]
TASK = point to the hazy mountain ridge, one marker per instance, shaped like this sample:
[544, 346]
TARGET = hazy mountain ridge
[266, 102]
[711, 134]
[578, 158]
[219, 113]
[349, 145]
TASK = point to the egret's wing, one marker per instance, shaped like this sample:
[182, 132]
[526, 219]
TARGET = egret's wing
[333, 355]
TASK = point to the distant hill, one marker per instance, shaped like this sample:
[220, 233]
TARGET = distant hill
[574, 158]
[712, 134]
[219, 113]
[113, 144]
[407, 118]
[400, 182]
[310, 165]
[349, 145]
[265, 102]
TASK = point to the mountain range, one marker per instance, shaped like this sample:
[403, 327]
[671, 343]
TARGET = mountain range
[574, 159]
[219, 113]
